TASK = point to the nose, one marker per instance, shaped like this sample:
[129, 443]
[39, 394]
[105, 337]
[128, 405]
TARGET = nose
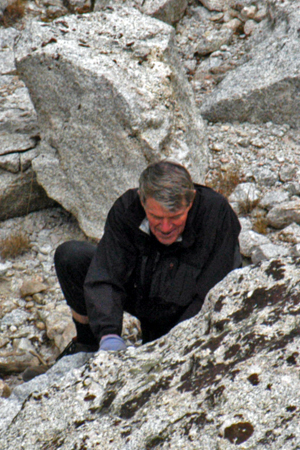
[166, 226]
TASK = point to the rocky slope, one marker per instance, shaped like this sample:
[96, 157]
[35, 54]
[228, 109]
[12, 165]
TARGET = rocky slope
[242, 62]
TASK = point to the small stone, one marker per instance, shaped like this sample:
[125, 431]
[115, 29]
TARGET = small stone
[4, 267]
[257, 142]
[40, 325]
[249, 11]
[260, 14]
[233, 25]
[39, 299]
[29, 305]
[217, 147]
[288, 172]
[249, 27]
[217, 17]
[31, 287]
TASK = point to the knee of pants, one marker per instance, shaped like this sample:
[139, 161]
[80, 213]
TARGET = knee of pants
[64, 253]
[73, 256]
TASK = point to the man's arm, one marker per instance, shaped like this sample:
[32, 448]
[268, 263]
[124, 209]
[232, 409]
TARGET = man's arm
[109, 271]
[222, 259]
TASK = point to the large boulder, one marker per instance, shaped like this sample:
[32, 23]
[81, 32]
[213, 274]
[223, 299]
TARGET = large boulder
[226, 379]
[111, 97]
[267, 87]
[19, 134]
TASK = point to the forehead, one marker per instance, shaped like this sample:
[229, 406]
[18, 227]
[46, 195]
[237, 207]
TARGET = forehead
[153, 207]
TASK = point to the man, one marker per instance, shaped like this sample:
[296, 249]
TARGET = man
[165, 245]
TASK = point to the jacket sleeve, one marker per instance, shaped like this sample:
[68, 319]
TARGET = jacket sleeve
[223, 257]
[110, 269]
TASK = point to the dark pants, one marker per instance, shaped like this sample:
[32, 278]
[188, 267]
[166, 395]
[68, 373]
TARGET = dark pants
[72, 260]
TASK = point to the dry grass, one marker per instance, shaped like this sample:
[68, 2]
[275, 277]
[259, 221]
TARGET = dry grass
[14, 245]
[247, 206]
[261, 225]
[225, 182]
[13, 13]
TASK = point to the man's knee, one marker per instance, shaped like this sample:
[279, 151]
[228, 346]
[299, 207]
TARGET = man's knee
[65, 252]
[73, 255]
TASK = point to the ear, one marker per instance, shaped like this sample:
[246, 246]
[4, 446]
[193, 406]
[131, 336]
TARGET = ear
[191, 204]
[143, 204]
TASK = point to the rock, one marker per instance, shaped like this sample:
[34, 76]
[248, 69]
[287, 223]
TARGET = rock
[268, 251]
[266, 176]
[10, 162]
[290, 234]
[250, 240]
[213, 40]
[244, 197]
[4, 267]
[15, 318]
[3, 5]
[57, 322]
[31, 287]
[169, 11]
[26, 158]
[17, 113]
[248, 12]
[233, 24]
[295, 251]
[20, 193]
[249, 27]
[11, 143]
[215, 5]
[131, 106]
[19, 190]
[7, 60]
[274, 198]
[287, 172]
[244, 344]
[284, 214]
[266, 87]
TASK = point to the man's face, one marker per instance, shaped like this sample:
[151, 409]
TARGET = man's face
[166, 226]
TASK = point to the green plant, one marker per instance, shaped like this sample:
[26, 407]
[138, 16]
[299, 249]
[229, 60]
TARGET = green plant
[14, 245]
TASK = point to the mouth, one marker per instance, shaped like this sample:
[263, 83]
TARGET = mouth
[170, 233]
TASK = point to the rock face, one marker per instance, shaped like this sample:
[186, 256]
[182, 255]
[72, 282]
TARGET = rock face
[267, 87]
[227, 377]
[19, 135]
[110, 98]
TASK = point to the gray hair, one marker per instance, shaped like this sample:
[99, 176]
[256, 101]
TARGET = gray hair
[169, 183]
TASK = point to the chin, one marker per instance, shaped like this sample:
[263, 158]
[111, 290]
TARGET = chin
[167, 241]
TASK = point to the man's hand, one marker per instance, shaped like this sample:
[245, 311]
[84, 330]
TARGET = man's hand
[112, 342]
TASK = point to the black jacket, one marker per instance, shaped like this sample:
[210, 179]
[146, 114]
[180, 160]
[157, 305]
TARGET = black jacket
[161, 285]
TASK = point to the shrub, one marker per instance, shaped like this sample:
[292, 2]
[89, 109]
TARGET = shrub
[13, 13]
[14, 245]
[225, 182]
[261, 225]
